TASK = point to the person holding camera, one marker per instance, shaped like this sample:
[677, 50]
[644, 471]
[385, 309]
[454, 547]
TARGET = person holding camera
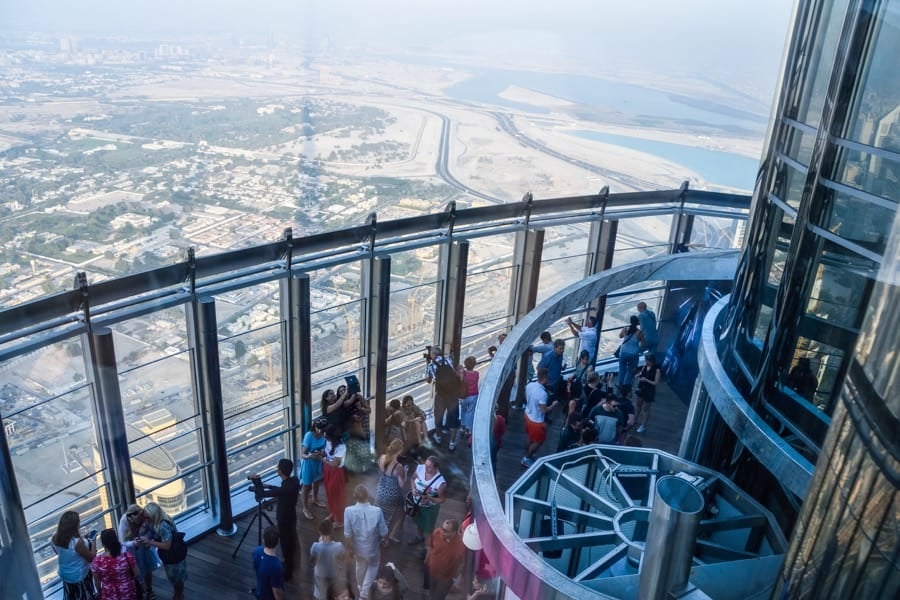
[312, 453]
[286, 512]
[74, 554]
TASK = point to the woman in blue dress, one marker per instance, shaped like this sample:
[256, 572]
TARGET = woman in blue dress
[312, 451]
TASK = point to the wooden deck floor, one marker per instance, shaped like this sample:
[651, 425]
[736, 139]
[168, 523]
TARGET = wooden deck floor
[212, 573]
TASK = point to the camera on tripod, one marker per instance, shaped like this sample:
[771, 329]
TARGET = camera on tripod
[256, 486]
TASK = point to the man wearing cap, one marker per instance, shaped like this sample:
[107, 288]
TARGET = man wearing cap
[286, 513]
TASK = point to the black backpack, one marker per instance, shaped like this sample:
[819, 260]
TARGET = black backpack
[446, 381]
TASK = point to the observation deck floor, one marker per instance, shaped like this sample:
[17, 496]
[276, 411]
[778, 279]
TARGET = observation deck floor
[212, 573]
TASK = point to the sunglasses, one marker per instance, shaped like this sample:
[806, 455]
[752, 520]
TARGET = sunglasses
[132, 515]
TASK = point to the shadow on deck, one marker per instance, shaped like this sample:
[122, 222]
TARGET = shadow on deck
[212, 573]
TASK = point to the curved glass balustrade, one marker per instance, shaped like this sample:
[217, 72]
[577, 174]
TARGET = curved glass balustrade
[287, 321]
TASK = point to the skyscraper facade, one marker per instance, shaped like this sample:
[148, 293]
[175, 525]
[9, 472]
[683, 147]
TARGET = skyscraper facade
[798, 367]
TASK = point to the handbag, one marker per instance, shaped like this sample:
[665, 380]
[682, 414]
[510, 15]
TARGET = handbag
[411, 502]
[177, 551]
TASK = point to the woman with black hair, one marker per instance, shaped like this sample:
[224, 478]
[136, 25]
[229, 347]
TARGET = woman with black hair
[115, 571]
[335, 407]
[312, 453]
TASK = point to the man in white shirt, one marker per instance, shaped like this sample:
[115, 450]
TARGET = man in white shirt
[364, 530]
[535, 409]
[587, 336]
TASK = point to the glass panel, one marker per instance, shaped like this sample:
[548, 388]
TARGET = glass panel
[32, 378]
[412, 318]
[776, 271]
[620, 308]
[798, 144]
[49, 422]
[841, 286]
[412, 268]
[247, 308]
[817, 49]
[491, 252]
[873, 118]
[253, 400]
[478, 338]
[559, 273]
[162, 425]
[782, 242]
[825, 362]
[487, 295]
[877, 175]
[257, 377]
[254, 444]
[58, 432]
[717, 232]
[763, 318]
[151, 337]
[857, 220]
[335, 334]
[336, 315]
[641, 237]
[563, 259]
[789, 183]
[565, 240]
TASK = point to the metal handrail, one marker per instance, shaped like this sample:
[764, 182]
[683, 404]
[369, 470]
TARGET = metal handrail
[173, 283]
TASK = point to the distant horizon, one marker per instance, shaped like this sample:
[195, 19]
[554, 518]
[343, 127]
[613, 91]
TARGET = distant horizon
[655, 36]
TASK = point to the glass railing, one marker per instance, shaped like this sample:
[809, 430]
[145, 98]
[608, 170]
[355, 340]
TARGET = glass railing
[158, 373]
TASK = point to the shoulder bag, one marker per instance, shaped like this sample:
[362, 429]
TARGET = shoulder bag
[411, 502]
[177, 551]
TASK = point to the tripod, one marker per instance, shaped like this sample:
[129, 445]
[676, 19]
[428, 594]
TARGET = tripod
[257, 518]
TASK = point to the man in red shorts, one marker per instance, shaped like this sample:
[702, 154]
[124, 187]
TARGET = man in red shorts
[535, 409]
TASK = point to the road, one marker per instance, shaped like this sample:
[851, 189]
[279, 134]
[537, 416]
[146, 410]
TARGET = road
[507, 125]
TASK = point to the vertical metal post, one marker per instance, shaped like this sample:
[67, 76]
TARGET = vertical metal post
[454, 298]
[300, 356]
[379, 306]
[695, 424]
[679, 240]
[17, 567]
[297, 355]
[113, 440]
[603, 242]
[210, 388]
[530, 245]
[680, 233]
[671, 536]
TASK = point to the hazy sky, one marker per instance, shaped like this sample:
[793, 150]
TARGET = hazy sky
[696, 34]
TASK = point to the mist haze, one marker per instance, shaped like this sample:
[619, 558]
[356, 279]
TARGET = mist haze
[691, 37]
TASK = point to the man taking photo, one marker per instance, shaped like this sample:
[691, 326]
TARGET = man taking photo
[286, 513]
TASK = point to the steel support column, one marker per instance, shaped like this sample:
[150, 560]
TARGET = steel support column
[454, 298]
[529, 249]
[679, 241]
[603, 243]
[17, 567]
[113, 438]
[680, 234]
[299, 355]
[209, 386]
[378, 320]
